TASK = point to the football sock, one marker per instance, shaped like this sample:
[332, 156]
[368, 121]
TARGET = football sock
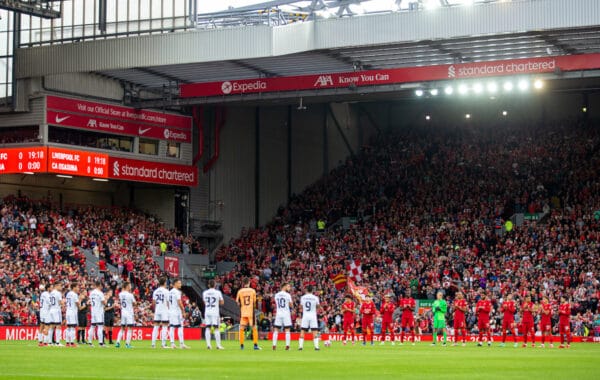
[154, 335]
[91, 333]
[316, 340]
[543, 338]
[172, 334]
[40, 336]
[217, 337]
[242, 335]
[58, 333]
[445, 337]
[120, 336]
[180, 335]
[207, 336]
[254, 335]
[101, 334]
[503, 336]
[489, 335]
[300, 342]
[110, 336]
[275, 334]
[402, 336]
[164, 332]
[129, 336]
[288, 337]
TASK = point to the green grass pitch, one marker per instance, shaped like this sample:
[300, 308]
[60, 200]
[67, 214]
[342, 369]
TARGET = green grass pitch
[24, 360]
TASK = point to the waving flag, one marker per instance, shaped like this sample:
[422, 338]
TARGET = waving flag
[359, 292]
[339, 280]
[355, 270]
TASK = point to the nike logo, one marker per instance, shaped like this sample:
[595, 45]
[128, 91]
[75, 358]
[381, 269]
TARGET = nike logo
[61, 119]
[142, 131]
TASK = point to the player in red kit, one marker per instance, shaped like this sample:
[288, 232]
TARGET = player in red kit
[546, 321]
[527, 324]
[407, 304]
[483, 310]
[387, 322]
[460, 323]
[508, 310]
[367, 311]
[564, 322]
[348, 310]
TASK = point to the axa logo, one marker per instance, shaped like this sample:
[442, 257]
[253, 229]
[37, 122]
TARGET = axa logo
[226, 87]
[451, 72]
[116, 169]
[167, 133]
[323, 81]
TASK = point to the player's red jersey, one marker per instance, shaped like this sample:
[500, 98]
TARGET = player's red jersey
[527, 308]
[508, 311]
[564, 314]
[368, 309]
[459, 309]
[546, 312]
[408, 306]
[387, 310]
[483, 309]
[348, 308]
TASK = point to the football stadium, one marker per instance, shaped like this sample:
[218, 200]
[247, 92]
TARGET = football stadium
[328, 189]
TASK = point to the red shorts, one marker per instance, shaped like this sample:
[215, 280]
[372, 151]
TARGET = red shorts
[387, 326]
[459, 323]
[546, 325]
[483, 323]
[408, 320]
[508, 324]
[348, 325]
[367, 324]
[564, 328]
[527, 326]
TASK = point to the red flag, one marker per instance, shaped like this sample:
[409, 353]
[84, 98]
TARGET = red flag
[172, 266]
[339, 280]
[359, 292]
[355, 270]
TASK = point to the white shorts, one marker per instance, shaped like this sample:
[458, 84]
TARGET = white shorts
[127, 320]
[161, 316]
[309, 323]
[44, 317]
[72, 318]
[55, 317]
[282, 321]
[212, 320]
[176, 320]
[98, 319]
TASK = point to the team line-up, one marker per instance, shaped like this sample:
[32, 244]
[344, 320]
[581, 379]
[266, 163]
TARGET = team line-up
[169, 316]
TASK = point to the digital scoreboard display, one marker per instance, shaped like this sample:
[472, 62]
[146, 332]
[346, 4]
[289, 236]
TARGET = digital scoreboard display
[23, 160]
[77, 163]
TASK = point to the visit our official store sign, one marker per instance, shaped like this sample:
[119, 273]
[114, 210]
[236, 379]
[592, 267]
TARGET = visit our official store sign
[110, 118]
[529, 66]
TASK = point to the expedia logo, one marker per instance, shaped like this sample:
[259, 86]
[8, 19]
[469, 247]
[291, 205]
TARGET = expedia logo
[116, 169]
[226, 87]
[167, 133]
[451, 72]
[323, 80]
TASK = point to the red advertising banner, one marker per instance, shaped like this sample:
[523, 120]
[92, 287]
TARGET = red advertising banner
[108, 118]
[172, 266]
[77, 162]
[394, 76]
[155, 172]
[139, 333]
[23, 160]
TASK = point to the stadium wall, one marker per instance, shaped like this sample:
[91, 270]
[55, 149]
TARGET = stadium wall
[269, 153]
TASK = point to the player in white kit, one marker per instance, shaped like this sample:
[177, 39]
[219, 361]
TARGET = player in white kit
[283, 317]
[212, 300]
[44, 315]
[55, 314]
[126, 302]
[160, 301]
[72, 302]
[97, 302]
[176, 315]
[309, 303]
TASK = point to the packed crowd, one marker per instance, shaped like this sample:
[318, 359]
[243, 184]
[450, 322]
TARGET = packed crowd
[40, 242]
[431, 205]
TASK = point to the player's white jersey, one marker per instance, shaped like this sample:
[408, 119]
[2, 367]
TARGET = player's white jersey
[283, 300]
[212, 298]
[55, 298]
[72, 302]
[97, 302]
[161, 301]
[44, 302]
[309, 304]
[126, 300]
[174, 297]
